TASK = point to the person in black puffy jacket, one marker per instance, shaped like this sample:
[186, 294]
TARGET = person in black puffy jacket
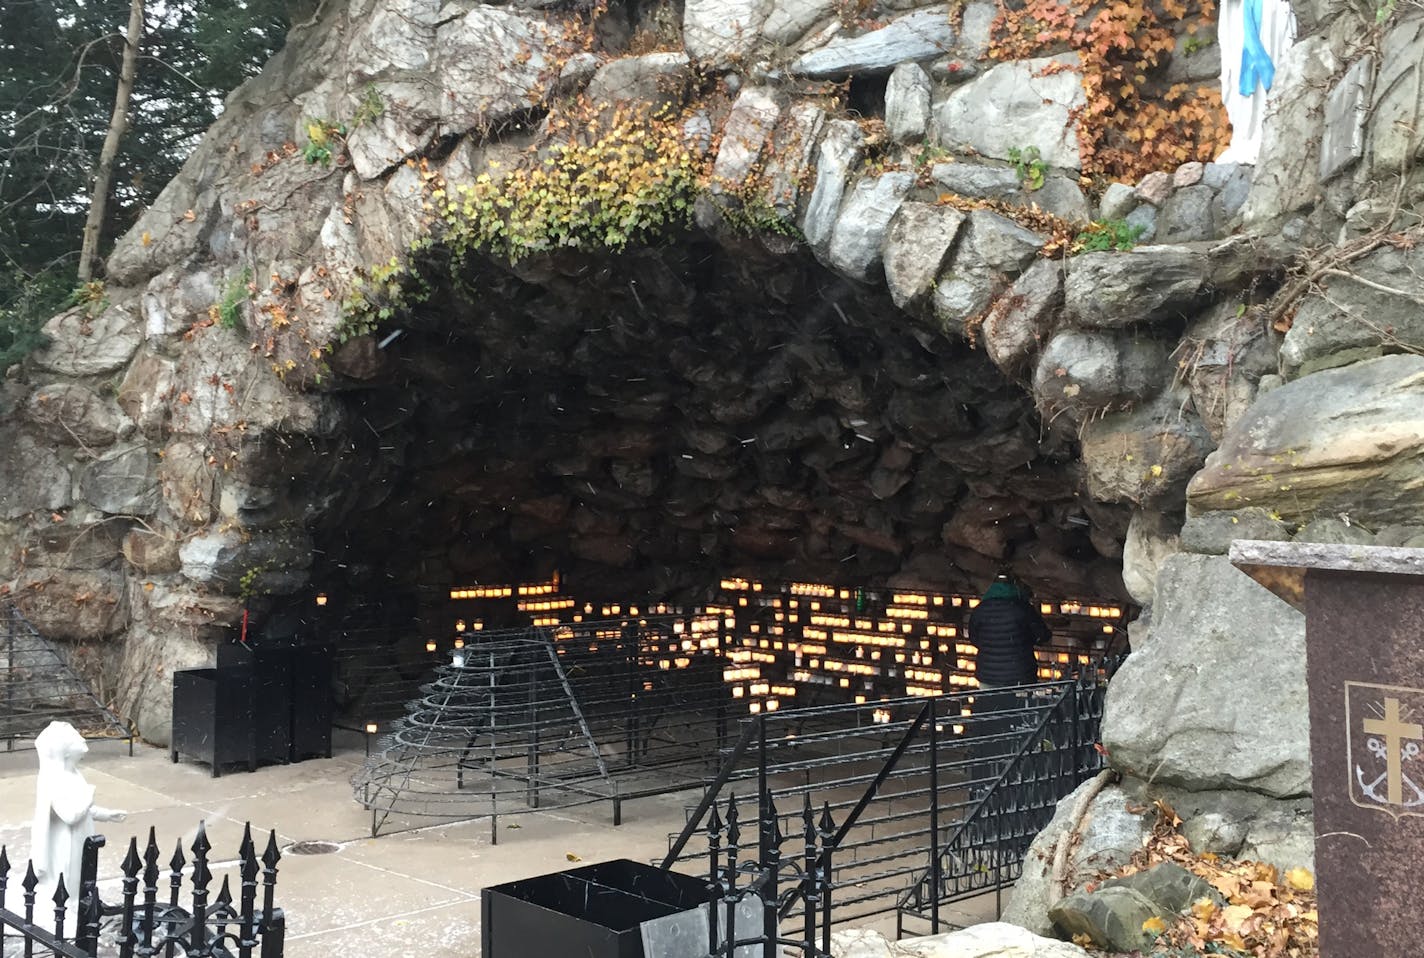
[1005, 628]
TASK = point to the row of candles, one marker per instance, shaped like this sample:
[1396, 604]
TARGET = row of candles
[778, 640]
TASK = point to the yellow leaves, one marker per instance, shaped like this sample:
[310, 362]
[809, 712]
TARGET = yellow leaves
[1255, 910]
[145, 238]
[1300, 879]
[1233, 917]
[1154, 926]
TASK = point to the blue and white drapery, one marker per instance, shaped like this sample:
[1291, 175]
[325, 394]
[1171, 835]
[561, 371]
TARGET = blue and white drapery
[1256, 65]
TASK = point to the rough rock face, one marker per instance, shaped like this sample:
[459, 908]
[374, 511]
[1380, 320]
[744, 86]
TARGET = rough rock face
[1343, 441]
[1232, 824]
[1215, 679]
[1110, 833]
[915, 394]
[1013, 106]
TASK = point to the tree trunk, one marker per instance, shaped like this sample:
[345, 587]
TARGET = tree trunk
[118, 123]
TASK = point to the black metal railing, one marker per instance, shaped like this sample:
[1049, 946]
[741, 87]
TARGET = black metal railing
[141, 924]
[937, 799]
[983, 851]
[554, 717]
[750, 895]
[37, 686]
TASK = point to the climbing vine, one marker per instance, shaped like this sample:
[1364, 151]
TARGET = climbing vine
[1134, 122]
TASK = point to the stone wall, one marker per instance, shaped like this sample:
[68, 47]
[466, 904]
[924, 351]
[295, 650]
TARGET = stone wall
[894, 375]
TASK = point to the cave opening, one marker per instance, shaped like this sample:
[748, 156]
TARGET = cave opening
[642, 427]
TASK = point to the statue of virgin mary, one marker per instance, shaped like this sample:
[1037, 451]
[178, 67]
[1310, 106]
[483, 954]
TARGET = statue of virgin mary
[1254, 34]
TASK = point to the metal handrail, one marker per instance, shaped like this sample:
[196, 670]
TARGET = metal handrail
[1032, 739]
[796, 894]
[714, 788]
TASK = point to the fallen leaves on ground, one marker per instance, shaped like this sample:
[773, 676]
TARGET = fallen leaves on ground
[1265, 914]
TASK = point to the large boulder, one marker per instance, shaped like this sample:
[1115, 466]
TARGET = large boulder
[916, 246]
[907, 102]
[1145, 455]
[1350, 317]
[1112, 917]
[122, 482]
[1110, 831]
[85, 345]
[1287, 168]
[718, 31]
[1020, 320]
[1226, 353]
[659, 79]
[259, 562]
[70, 414]
[76, 605]
[1344, 441]
[1089, 370]
[146, 392]
[1152, 536]
[993, 252]
[1014, 106]
[1118, 289]
[32, 479]
[921, 35]
[154, 649]
[988, 940]
[74, 545]
[839, 152]
[1215, 698]
[1115, 914]
[865, 218]
[1212, 533]
[745, 134]
[221, 383]
[1394, 131]
[489, 64]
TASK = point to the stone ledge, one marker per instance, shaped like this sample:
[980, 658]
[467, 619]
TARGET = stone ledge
[1281, 566]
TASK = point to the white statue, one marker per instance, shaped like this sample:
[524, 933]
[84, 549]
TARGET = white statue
[65, 814]
[1254, 35]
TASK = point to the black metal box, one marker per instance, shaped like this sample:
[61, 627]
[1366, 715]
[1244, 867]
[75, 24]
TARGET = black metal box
[212, 717]
[293, 698]
[595, 911]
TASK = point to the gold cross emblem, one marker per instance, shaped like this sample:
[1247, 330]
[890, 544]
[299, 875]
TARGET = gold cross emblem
[1396, 732]
[1386, 747]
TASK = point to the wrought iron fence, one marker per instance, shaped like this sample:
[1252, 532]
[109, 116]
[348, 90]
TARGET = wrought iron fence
[763, 883]
[983, 851]
[937, 800]
[141, 924]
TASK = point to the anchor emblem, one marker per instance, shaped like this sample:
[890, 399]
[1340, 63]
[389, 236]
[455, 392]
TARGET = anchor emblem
[1386, 770]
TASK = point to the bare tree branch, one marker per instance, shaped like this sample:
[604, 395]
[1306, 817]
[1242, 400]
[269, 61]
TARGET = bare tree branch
[88, 254]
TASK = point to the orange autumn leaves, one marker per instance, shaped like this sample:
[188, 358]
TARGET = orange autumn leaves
[1262, 913]
[1133, 122]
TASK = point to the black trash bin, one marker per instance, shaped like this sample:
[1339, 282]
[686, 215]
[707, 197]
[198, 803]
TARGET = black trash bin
[596, 911]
